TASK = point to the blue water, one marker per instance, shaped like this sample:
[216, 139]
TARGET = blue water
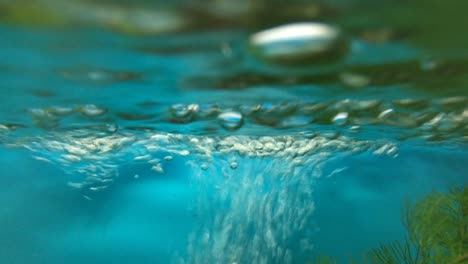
[154, 218]
[112, 149]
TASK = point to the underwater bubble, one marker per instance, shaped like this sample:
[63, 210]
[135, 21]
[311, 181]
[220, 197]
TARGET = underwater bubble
[204, 166]
[429, 65]
[41, 114]
[184, 113]
[42, 93]
[180, 110]
[60, 111]
[296, 121]
[108, 128]
[271, 114]
[354, 129]
[134, 116]
[464, 115]
[284, 109]
[91, 110]
[140, 128]
[227, 50]
[154, 161]
[447, 123]
[255, 145]
[433, 123]
[71, 158]
[231, 120]
[368, 105]
[158, 168]
[233, 165]
[152, 21]
[98, 76]
[341, 105]
[98, 189]
[208, 110]
[379, 35]
[142, 157]
[248, 109]
[454, 102]
[413, 104]
[229, 9]
[168, 158]
[75, 185]
[340, 118]
[386, 113]
[43, 118]
[313, 108]
[299, 43]
[11, 127]
[87, 198]
[184, 152]
[354, 80]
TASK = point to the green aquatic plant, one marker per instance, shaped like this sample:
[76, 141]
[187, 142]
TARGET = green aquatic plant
[30, 13]
[437, 229]
[331, 260]
[438, 224]
[325, 260]
[399, 253]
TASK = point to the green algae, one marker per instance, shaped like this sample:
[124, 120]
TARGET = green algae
[437, 228]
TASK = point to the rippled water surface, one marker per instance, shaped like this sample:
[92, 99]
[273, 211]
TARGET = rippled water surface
[146, 132]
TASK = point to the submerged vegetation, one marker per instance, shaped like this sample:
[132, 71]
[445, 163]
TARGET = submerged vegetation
[437, 229]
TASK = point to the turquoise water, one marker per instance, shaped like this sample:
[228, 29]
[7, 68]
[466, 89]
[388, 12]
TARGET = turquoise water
[138, 144]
